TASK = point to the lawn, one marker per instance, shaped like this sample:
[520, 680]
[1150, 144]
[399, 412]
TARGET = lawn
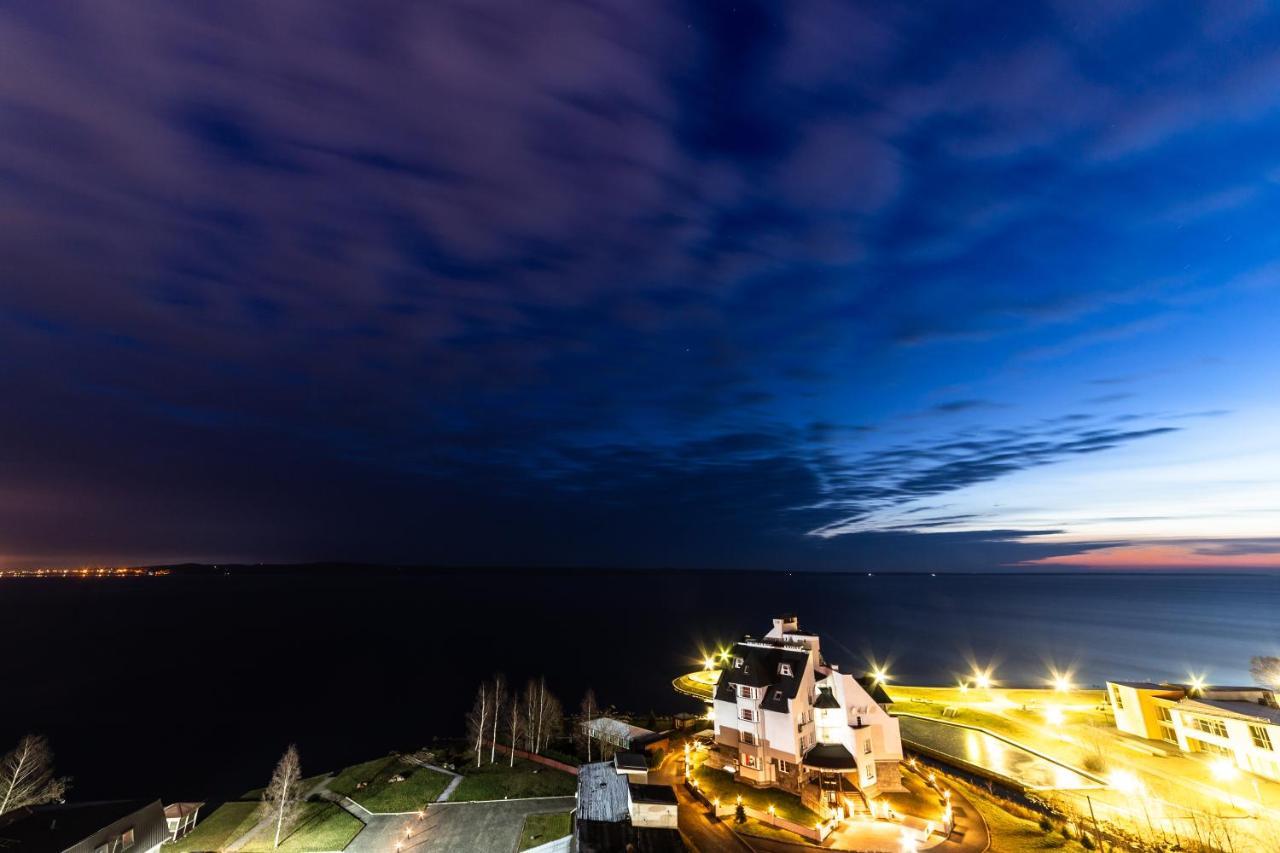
[718, 784]
[218, 829]
[498, 781]
[541, 828]
[322, 826]
[421, 785]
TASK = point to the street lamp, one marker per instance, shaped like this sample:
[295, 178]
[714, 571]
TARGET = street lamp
[1196, 683]
[982, 680]
[773, 815]
[1061, 681]
[878, 675]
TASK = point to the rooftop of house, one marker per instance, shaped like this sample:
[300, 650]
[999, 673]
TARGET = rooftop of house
[763, 666]
[57, 827]
[1252, 710]
[602, 793]
[629, 761]
[653, 794]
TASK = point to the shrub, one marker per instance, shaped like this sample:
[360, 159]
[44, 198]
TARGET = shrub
[1046, 824]
[1066, 832]
[1094, 763]
[740, 814]
[1087, 843]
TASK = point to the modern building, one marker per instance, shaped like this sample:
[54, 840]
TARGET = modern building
[1238, 723]
[623, 735]
[99, 827]
[786, 718]
[619, 810]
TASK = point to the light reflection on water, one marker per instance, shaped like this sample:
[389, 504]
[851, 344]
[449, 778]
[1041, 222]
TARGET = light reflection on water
[992, 753]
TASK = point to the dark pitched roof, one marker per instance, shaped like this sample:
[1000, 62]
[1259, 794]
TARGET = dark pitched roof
[629, 761]
[826, 699]
[661, 794]
[830, 756]
[760, 668]
[875, 689]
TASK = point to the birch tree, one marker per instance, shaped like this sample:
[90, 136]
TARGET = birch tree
[499, 697]
[530, 702]
[283, 797]
[478, 718]
[26, 775]
[589, 709]
[551, 720]
[515, 723]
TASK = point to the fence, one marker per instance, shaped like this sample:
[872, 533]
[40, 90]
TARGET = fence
[537, 759]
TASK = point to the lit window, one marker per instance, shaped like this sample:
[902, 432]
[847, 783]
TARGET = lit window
[746, 692]
[747, 714]
[1211, 727]
[126, 839]
[737, 663]
[748, 738]
[784, 669]
[749, 759]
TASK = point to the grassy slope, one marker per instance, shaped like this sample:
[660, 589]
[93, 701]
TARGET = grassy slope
[541, 828]
[498, 781]
[1010, 833]
[718, 783]
[322, 826]
[226, 824]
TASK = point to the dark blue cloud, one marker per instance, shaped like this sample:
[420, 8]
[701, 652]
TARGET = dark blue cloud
[561, 282]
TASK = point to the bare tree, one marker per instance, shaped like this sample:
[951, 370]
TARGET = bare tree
[478, 718]
[551, 720]
[26, 775]
[515, 723]
[1265, 670]
[499, 698]
[530, 702]
[590, 709]
[283, 797]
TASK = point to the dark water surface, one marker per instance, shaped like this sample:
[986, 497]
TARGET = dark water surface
[192, 686]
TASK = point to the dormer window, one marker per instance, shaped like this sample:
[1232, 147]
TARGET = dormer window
[737, 663]
[784, 669]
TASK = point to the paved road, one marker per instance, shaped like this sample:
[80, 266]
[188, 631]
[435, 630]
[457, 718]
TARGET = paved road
[451, 827]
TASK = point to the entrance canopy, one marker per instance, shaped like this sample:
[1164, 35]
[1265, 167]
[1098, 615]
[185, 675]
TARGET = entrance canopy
[830, 758]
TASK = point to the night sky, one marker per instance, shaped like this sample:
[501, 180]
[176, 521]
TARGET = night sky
[799, 285]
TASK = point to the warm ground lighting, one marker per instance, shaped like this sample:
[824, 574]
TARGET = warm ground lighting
[1223, 770]
[1124, 781]
[1053, 715]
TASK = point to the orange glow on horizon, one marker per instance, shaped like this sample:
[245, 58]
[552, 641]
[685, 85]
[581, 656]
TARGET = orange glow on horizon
[1162, 556]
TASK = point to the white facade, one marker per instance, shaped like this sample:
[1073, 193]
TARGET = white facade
[768, 708]
[1241, 724]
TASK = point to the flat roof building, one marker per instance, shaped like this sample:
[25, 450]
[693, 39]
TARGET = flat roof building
[1241, 724]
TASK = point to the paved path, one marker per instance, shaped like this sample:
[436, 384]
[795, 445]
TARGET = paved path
[455, 827]
[453, 783]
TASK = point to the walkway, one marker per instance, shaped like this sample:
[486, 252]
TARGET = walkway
[461, 827]
[453, 783]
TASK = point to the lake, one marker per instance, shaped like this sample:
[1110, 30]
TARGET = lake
[191, 686]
